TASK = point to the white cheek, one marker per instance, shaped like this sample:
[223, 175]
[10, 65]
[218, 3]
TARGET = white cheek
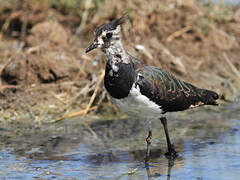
[100, 41]
[104, 33]
[118, 29]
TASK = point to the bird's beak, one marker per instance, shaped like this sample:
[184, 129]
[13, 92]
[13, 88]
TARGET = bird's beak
[92, 46]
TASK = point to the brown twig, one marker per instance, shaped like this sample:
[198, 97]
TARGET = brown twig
[91, 131]
[95, 92]
[234, 69]
[74, 114]
[9, 87]
[102, 97]
[178, 33]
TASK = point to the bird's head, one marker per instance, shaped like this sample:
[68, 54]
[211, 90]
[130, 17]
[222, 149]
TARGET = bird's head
[107, 34]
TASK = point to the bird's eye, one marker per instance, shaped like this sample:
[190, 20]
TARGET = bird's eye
[109, 35]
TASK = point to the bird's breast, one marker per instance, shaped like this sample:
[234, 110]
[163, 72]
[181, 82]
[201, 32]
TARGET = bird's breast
[136, 104]
[118, 79]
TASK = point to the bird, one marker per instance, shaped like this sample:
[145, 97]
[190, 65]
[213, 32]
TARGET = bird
[141, 90]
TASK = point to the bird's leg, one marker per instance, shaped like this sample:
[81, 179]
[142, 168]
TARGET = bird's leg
[149, 141]
[148, 170]
[172, 154]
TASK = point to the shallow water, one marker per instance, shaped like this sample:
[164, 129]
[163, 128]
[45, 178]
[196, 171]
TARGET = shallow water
[208, 143]
[226, 2]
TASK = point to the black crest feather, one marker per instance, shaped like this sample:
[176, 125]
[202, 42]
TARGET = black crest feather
[110, 26]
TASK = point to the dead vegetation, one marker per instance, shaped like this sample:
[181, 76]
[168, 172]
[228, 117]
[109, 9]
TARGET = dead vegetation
[45, 73]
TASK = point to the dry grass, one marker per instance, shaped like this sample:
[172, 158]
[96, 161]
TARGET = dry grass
[199, 44]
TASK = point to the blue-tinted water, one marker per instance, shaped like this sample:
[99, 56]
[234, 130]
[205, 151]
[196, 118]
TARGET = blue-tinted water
[206, 161]
[226, 2]
[206, 152]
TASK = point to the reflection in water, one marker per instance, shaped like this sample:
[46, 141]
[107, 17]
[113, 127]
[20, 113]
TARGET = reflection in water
[150, 175]
[209, 161]
[170, 165]
[209, 149]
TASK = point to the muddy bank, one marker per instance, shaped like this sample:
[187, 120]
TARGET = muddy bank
[45, 73]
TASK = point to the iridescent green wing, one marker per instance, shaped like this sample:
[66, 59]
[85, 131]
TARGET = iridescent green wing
[171, 93]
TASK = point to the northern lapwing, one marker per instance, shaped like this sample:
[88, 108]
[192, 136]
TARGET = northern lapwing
[142, 90]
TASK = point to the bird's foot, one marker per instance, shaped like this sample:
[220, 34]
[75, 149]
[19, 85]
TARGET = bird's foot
[171, 154]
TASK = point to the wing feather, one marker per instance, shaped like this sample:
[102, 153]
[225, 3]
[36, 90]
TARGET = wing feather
[170, 93]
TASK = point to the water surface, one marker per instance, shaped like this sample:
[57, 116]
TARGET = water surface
[208, 142]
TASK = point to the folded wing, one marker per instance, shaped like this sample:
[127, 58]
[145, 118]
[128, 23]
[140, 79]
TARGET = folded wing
[170, 93]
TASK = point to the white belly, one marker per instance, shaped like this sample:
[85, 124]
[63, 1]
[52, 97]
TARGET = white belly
[138, 105]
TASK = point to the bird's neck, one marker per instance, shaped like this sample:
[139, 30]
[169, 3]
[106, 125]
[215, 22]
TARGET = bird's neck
[116, 51]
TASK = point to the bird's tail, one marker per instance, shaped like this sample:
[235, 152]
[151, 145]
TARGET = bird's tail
[208, 97]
